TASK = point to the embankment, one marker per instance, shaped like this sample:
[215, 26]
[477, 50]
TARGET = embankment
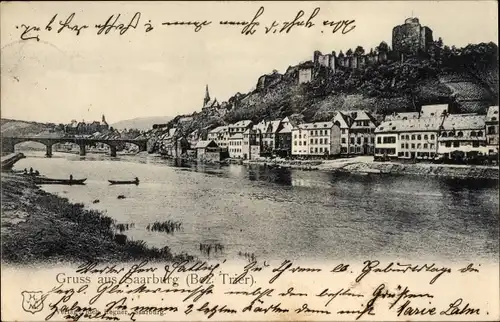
[366, 165]
[38, 226]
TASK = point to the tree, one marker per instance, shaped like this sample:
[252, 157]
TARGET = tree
[382, 47]
[359, 51]
[348, 53]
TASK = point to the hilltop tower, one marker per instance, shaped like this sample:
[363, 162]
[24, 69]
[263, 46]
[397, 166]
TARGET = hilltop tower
[411, 38]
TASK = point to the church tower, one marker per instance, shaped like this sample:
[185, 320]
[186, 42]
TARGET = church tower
[207, 97]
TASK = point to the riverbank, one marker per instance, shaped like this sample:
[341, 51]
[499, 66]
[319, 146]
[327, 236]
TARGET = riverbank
[364, 165]
[38, 226]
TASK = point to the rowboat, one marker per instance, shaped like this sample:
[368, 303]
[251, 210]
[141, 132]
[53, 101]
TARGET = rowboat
[60, 181]
[136, 182]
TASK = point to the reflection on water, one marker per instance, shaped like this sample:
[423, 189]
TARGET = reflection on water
[233, 210]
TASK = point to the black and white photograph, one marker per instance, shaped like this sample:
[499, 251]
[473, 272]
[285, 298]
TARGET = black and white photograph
[183, 134]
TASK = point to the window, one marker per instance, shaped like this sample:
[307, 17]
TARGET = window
[300, 142]
[456, 144]
[475, 144]
[419, 146]
[431, 146]
[407, 154]
[312, 141]
[343, 140]
[448, 144]
[472, 133]
[320, 150]
[342, 131]
[320, 141]
[300, 136]
[352, 140]
[359, 140]
[451, 134]
[402, 146]
[425, 145]
[407, 146]
[379, 140]
[491, 130]
[426, 137]
[479, 133]
[315, 150]
[419, 137]
[315, 141]
[413, 145]
[407, 137]
[432, 137]
[325, 141]
[312, 150]
[413, 137]
[305, 142]
[444, 134]
[372, 139]
[460, 134]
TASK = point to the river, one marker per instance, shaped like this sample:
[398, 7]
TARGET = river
[237, 210]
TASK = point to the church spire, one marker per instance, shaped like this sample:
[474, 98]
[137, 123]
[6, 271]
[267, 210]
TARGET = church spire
[207, 96]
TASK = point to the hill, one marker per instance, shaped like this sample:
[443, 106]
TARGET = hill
[141, 123]
[465, 78]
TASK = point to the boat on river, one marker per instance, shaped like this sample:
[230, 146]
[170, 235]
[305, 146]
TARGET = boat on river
[42, 180]
[136, 181]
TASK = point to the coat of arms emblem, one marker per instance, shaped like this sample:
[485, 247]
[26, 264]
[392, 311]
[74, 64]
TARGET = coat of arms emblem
[33, 301]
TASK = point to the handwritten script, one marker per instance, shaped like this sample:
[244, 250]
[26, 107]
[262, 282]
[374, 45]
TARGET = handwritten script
[204, 290]
[122, 24]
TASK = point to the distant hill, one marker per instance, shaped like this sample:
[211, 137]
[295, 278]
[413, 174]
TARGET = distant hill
[141, 123]
[10, 127]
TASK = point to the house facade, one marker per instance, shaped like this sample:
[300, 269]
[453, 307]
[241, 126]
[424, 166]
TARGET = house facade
[463, 135]
[320, 139]
[492, 130]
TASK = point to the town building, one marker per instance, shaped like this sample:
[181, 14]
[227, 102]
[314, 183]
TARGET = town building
[408, 139]
[361, 132]
[320, 139]
[220, 135]
[235, 147]
[208, 150]
[269, 131]
[343, 121]
[402, 116]
[411, 38]
[251, 143]
[284, 139]
[239, 127]
[436, 110]
[83, 128]
[300, 145]
[462, 136]
[168, 142]
[492, 130]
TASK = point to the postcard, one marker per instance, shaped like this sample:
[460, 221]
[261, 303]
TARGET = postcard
[250, 161]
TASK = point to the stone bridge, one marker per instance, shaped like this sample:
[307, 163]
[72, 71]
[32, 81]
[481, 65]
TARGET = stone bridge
[8, 143]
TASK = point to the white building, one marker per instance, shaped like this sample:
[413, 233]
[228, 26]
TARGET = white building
[316, 139]
[236, 146]
[436, 110]
[464, 134]
[220, 135]
[407, 139]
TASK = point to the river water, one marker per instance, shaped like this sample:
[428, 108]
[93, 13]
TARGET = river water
[235, 210]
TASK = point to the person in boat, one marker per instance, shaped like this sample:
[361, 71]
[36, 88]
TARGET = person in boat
[31, 170]
[70, 177]
[25, 171]
[136, 180]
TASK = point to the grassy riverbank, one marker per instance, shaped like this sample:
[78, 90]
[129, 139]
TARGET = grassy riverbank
[367, 165]
[38, 226]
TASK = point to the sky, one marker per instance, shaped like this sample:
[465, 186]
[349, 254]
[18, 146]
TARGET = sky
[164, 72]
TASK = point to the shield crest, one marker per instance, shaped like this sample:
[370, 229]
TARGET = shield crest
[33, 301]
